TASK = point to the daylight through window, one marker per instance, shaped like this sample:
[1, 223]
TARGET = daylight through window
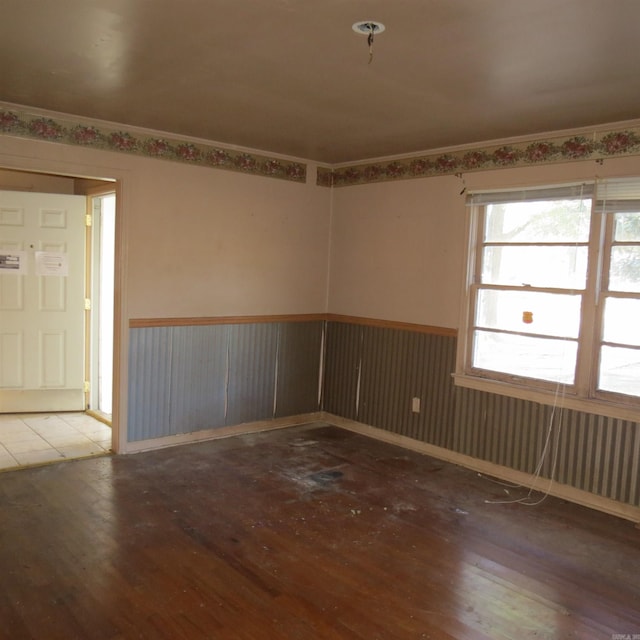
[554, 291]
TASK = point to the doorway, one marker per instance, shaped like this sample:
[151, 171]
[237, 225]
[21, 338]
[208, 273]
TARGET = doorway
[102, 207]
[53, 424]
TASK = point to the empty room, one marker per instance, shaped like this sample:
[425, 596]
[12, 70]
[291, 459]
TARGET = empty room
[343, 302]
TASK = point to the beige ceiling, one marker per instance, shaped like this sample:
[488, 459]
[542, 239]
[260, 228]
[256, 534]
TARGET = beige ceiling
[291, 77]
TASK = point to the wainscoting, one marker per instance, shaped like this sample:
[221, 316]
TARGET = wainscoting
[185, 378]
[594, 453]
[208, 375]
[373, 372]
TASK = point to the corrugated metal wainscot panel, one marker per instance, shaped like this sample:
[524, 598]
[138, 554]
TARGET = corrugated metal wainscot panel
[500, 429]
[588, 452]
[343, 348]
[149, 383]
[198, 377]
[601, 455]
[398, 366]
[388, 381]
[252, 365]
[299, 345]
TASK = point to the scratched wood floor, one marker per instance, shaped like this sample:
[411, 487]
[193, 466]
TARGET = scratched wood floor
[312, 532]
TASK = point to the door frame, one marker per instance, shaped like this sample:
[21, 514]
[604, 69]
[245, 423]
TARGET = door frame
[121, 180]
[91, 276]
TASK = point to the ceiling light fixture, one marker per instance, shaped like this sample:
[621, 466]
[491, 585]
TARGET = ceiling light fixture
[369, 28]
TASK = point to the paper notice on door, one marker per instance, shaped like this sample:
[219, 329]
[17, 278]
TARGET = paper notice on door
[13, 263]
[51, 263]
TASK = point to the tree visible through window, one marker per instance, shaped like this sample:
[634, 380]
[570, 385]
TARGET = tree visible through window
[619, 369]
[555, 291]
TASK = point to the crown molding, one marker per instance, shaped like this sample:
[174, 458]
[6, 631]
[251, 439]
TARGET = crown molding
[94, 134]
[597, 143]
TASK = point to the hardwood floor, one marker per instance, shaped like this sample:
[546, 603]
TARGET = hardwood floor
[303, 533]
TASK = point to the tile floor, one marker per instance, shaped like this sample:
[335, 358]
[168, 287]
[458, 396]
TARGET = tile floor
[37, 438]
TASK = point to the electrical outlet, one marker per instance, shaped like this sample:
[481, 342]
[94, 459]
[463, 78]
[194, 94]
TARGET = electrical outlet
[415, 405]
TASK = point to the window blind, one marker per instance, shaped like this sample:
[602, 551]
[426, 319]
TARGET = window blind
[618, 195]
[561, 192]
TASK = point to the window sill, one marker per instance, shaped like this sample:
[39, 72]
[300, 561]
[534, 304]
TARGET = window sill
[597, 407]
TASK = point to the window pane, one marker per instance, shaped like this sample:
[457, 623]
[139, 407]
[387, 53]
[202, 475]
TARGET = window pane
[622, 321]
[620, 370]
[541, 358]
[553, 267]
[550, 221]
[627, 227]
[624, 274]
[552, 314]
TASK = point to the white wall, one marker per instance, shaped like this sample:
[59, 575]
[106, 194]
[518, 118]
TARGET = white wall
[398, 248]
[214, 243]
[203, 242]
[396, 251]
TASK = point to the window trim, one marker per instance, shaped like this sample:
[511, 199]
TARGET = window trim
[597, 406]
[583, 395]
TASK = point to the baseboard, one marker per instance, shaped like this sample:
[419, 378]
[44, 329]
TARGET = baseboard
[563, 491]
[221, 432]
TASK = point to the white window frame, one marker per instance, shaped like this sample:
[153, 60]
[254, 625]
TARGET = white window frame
[583, 395]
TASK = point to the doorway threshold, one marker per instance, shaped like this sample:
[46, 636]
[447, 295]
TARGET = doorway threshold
[101, 416]
[29, 439]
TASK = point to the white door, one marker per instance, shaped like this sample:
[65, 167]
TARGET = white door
[42, 280]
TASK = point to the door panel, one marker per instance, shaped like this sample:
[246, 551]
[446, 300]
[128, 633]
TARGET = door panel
[42, 316]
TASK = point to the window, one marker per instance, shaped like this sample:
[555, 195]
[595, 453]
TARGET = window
[554, 291]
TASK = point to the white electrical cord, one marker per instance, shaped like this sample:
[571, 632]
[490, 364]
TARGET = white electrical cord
[545, 450]
[559, 407]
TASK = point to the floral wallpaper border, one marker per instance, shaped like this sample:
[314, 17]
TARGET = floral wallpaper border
[27, 125]
[597, 146]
